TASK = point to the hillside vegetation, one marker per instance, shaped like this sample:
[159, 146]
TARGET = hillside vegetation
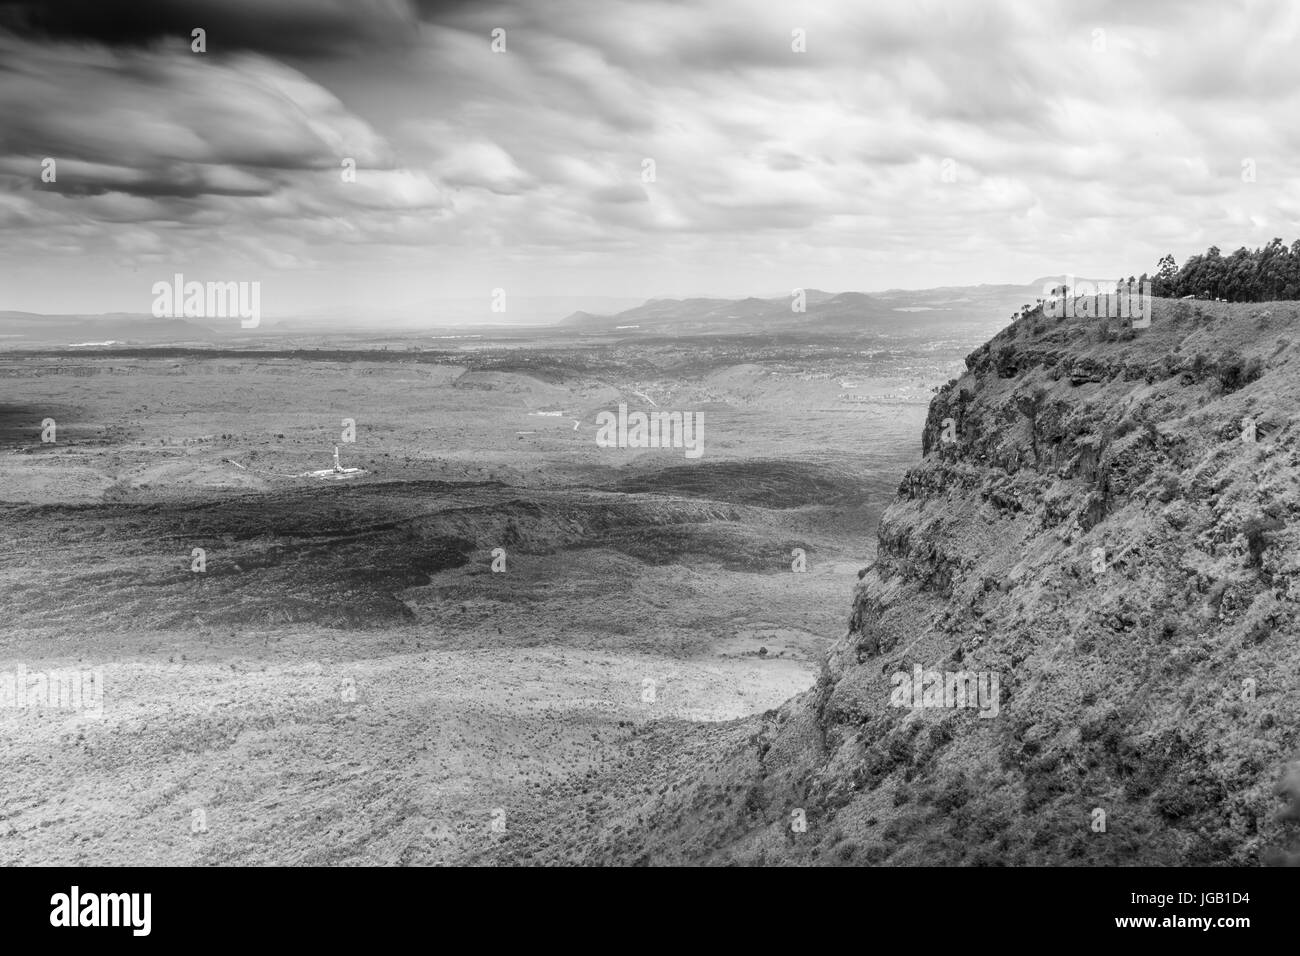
[1267, 273]
[1104, 537]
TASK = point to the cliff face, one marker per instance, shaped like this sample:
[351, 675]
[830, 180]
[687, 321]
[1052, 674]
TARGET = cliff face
[1107, 566]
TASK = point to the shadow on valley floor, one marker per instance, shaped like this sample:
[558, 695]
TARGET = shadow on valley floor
[20, 425]
[342, 556]
[771, 483]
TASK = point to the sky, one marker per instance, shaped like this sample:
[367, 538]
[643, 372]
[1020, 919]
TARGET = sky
[628, 148]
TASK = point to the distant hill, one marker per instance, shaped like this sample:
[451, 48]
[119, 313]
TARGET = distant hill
[434, 316]
[896, 310]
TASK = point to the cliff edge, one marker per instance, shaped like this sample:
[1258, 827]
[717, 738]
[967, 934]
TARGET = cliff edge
[1077, 643]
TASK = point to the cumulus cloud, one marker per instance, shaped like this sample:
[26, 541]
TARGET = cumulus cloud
[839, 145]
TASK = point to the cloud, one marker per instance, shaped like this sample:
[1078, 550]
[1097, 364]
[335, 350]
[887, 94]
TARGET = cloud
[157, 135]
[293, 27]
[154, 110]
[477, 163]
[911, 143]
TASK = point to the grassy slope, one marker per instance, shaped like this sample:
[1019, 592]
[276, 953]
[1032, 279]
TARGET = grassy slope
[1128, 691]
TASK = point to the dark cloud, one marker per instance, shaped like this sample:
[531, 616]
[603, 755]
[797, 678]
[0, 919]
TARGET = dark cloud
[290, 27]
[176, 182]
[153, 135]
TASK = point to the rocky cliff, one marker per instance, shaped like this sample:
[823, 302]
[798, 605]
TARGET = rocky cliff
[1077, 642]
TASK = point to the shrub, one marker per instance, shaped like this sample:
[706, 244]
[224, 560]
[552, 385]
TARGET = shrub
[1170, 487]
[1257, 634]
[1256, 531]
[875, 854]
[953, 797]
[1235, 372]
[940, 734]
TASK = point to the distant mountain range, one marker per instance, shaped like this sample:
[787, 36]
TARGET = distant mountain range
[926, 311]
[892, 310]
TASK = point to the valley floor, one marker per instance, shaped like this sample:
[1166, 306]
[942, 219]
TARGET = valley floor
[345, 679]
[403, 758]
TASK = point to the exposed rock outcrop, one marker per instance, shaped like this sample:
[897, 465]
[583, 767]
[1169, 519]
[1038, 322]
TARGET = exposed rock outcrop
[1106, 547]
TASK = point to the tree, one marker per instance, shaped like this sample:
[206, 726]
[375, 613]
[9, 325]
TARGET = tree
[1165, 283]
[1265, 274]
